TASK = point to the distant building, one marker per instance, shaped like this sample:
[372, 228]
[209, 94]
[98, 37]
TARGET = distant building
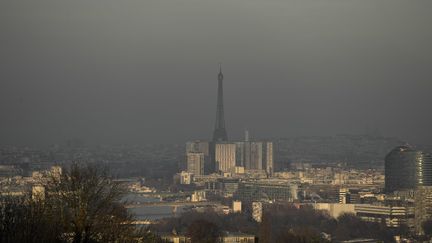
[255, 156]
[238, 170]
[237, 237]
[174, 238]
[423, 207]
[335, 209]
[248, 155]
[257, 211]
[198, 196]
[222, 186]
[198, 146]
[225, 156]
[392, 216]
[267, 191]
[343, 195]
[236, 206]
[228, 186]
[8, 171]
[195, 163]
[268, 164]
[349, 196]
[255, 161]
[186, 178]
[406, 169]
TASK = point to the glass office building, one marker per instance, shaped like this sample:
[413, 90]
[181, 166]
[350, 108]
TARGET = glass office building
[406, 169]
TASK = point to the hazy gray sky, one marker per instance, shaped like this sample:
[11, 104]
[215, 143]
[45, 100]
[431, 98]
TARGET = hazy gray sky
[137, 71]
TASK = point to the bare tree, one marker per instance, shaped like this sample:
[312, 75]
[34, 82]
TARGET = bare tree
[23, 219]
[80, 205]
[89, 205]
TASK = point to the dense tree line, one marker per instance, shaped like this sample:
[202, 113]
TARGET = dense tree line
[287, 220]
[231, 222]
[280, 223]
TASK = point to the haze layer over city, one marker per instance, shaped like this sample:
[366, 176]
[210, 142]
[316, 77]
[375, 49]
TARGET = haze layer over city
[193, 121]
[117, 72]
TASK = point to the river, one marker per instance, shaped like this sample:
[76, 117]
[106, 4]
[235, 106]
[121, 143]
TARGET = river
[150, 212]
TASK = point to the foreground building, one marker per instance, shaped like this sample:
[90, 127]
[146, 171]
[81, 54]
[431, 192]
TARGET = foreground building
[392, 216]
[406, 169]
[423, 207]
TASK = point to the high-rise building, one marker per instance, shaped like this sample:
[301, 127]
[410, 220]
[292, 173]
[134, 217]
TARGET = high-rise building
[406, 169]
[256, 157]
[220, 133]
[250, 155]
[198, 146]
[268, 157]
[240, 154]
[225, 156]
[195, 163]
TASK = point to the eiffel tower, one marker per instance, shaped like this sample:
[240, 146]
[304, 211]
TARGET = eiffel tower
[220, 133]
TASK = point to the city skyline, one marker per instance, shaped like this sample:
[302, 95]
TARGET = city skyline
[118, 122]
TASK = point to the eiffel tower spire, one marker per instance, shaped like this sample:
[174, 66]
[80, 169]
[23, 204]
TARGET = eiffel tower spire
[219, 133]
